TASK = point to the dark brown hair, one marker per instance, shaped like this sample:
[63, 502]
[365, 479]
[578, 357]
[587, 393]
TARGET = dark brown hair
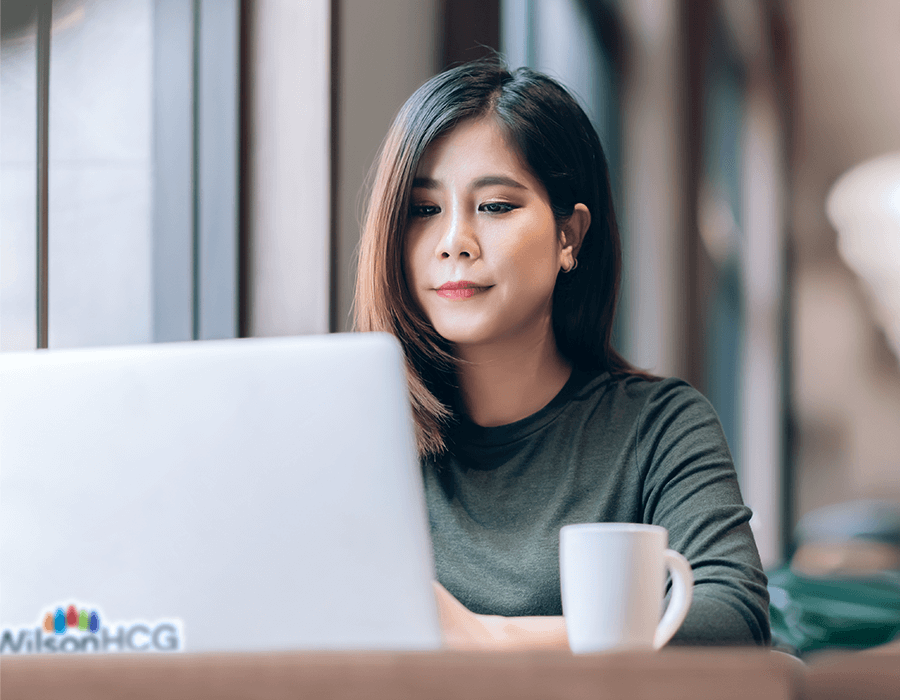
[557, 141]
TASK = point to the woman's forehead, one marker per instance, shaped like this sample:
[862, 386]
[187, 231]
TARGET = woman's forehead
[470, 147]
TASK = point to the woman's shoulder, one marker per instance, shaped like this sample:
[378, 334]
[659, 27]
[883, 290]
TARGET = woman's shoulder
[648, 399]
[636, 388]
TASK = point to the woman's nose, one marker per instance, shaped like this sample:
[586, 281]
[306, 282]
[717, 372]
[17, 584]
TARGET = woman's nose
[459, 238]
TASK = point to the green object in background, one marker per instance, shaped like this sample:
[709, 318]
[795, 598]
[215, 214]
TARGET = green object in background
[812, 613]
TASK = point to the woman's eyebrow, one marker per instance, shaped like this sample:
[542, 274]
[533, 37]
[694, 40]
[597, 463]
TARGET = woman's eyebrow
[427, 183]
[503, 180]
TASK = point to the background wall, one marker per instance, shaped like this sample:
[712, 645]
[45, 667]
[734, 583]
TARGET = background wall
[847, 380]
[288, 169]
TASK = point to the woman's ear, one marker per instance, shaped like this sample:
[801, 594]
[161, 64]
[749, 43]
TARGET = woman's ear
[576, 227]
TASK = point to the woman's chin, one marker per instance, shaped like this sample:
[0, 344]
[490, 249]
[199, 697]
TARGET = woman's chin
[462, 338]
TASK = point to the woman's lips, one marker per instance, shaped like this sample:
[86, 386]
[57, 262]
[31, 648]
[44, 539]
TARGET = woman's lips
[457, 293]
[459, 290]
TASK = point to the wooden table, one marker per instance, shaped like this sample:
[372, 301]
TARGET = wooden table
[671, 674]
[873, 674]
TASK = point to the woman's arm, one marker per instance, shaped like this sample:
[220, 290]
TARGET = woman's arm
[690, 487]
[464, 630]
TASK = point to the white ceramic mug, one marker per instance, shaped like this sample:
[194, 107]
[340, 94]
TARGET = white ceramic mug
[612, 578]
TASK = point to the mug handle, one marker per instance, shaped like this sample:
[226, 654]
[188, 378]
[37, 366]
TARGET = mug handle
[680, 601]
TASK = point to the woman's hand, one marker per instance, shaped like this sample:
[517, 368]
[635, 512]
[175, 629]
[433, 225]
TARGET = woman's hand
[461, 628]
[464, 630]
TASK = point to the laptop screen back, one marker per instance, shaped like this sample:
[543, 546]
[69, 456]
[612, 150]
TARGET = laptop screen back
[255, 494]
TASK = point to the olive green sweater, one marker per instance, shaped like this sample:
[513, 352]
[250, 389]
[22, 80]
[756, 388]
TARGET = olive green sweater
[603, 450]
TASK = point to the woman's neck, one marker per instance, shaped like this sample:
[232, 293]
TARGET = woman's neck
[506, 382]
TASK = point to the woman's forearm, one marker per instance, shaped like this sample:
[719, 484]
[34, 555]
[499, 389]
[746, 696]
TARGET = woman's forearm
[537, 632]
[464, 630]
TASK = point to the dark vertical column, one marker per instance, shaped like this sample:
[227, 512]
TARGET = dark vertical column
[785, 68]
[695, 16]
[244, 184]
[471, 30]
[43, 167]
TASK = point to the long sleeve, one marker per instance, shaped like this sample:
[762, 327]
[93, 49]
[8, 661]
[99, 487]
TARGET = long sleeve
[690, 487]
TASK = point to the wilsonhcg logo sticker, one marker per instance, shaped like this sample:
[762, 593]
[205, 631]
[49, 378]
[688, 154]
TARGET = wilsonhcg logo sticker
[77, 629]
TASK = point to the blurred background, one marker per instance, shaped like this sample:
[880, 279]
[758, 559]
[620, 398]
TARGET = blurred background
[198, 167]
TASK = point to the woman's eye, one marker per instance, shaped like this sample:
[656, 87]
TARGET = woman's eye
[497, 207]
[423, 210]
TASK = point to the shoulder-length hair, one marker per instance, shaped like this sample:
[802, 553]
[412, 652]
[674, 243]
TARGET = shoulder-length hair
[557, 141]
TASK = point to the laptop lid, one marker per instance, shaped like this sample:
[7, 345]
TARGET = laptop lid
[236, 495]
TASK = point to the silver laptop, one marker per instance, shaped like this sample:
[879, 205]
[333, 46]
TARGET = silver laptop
[237, 495]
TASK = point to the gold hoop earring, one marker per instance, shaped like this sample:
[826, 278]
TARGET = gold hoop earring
[573, 266]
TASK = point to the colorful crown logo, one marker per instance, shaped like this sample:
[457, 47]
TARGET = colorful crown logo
[83, 620]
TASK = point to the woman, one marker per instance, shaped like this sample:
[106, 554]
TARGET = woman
[491, 251]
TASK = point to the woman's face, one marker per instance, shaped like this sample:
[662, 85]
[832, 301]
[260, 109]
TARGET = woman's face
[479, 217]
